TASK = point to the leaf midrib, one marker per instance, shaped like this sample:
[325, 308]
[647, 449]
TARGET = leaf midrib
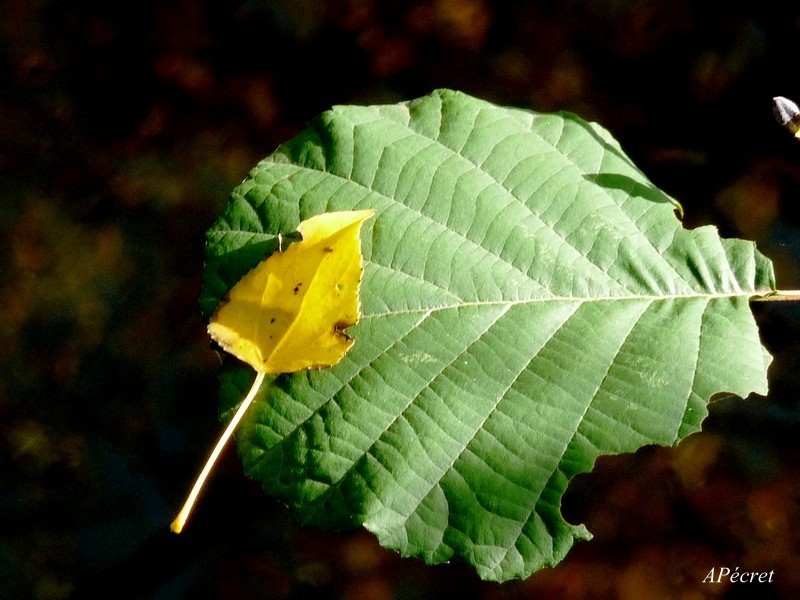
[569, 299]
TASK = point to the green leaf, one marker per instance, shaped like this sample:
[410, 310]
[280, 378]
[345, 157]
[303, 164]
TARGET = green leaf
[530, 301]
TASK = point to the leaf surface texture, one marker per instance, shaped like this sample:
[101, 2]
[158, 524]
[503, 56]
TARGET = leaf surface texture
[530, 301]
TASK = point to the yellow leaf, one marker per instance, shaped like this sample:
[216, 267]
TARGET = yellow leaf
[290, 312]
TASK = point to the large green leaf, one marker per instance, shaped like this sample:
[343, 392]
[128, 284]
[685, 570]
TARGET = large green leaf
[530, 301]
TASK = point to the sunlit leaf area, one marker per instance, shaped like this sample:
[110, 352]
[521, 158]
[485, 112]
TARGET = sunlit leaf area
[124, 129]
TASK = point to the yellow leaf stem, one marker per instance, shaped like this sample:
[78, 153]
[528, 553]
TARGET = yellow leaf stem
[183, 515]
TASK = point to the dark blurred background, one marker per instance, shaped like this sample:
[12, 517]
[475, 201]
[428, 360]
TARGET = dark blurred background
[124, 126]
